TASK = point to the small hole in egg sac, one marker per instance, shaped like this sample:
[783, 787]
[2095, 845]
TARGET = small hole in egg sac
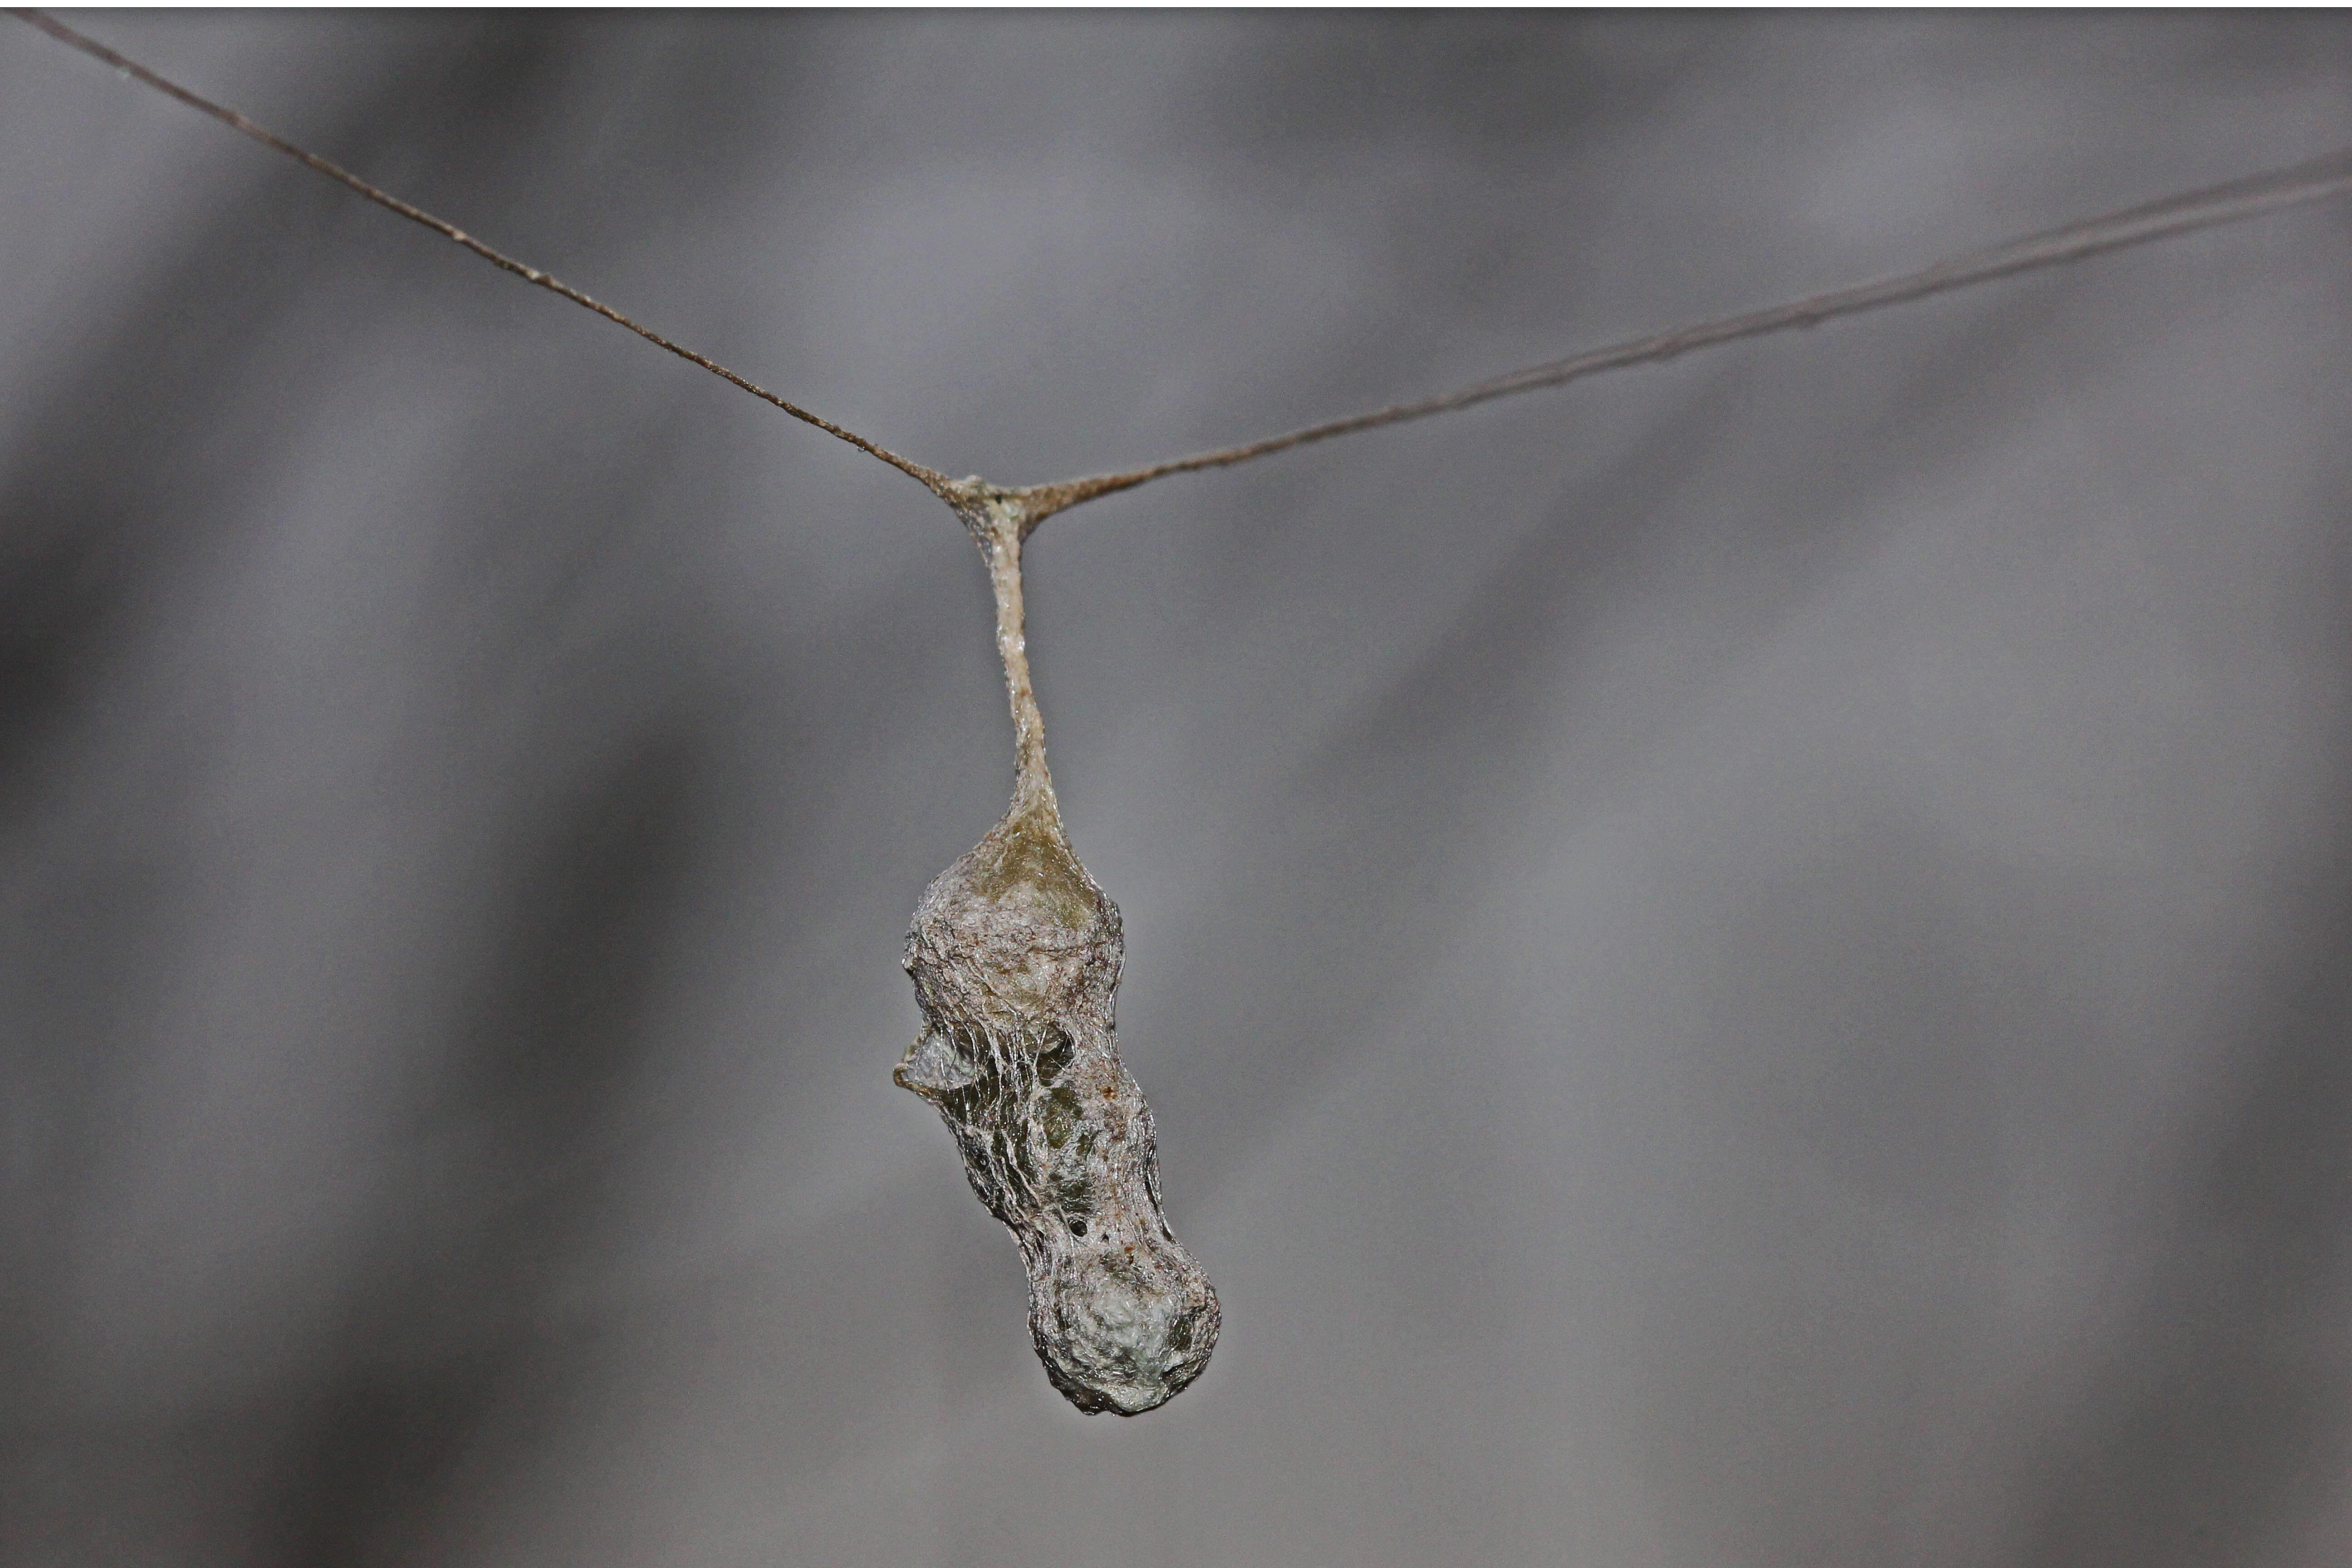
[1077, 1227]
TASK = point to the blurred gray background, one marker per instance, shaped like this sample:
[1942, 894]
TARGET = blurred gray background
[1749, 963]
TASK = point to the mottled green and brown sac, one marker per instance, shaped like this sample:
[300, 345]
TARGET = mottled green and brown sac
[1015, 955]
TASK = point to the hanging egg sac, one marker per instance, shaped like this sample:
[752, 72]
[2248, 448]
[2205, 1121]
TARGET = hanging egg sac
[1015, 956]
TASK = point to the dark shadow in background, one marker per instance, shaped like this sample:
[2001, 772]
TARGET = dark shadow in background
[450, 1325]
[2217, 1407]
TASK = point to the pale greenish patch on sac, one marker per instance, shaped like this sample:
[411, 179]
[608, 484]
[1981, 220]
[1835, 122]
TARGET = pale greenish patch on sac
[1025, 864]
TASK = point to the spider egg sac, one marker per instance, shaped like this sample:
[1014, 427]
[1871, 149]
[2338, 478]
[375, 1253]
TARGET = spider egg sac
[1015, 955]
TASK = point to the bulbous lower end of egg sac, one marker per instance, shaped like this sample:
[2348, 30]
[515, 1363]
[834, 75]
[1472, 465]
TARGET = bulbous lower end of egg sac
[1015, 956]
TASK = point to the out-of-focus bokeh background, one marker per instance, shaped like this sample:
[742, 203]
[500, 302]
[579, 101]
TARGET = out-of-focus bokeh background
[1746, 964]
